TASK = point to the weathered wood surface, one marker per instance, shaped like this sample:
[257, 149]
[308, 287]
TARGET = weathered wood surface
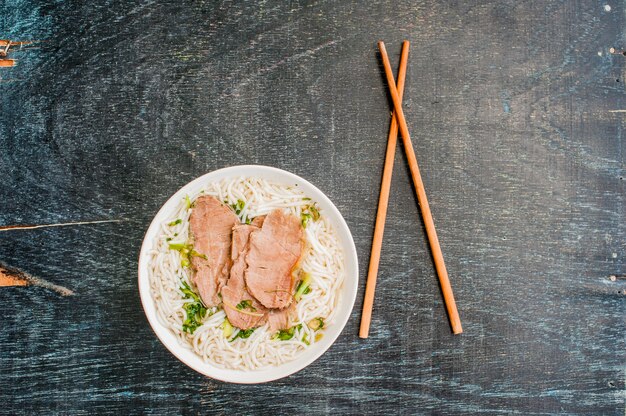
[512, 108]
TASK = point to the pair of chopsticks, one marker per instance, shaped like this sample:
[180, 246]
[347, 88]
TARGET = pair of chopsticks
[399, 122]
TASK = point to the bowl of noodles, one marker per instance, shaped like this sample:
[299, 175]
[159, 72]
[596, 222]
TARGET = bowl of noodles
[199, 333]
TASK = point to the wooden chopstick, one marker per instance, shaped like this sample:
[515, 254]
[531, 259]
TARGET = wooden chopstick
[383, 200]
[440, 266]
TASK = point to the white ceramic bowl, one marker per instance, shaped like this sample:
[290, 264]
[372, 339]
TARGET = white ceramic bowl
[348, 291]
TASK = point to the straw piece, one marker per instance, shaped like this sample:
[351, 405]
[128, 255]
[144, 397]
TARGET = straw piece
[383, 200]
[440, 266]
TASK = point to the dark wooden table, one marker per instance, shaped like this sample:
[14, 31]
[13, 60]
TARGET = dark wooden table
[517, 114]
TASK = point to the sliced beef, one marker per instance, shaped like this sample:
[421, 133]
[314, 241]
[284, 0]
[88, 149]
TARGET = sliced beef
[258, 221]
[211, 224]
[274, 251]
[250, 313]
[279, 318]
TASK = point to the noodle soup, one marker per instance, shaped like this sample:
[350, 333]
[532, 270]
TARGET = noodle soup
[207, 331]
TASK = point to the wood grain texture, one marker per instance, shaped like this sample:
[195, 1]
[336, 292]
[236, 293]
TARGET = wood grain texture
[512, 110]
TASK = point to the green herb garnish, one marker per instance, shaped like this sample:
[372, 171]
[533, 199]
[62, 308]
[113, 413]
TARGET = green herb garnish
[303, 286]
[238, 207]
[309, 212]
[188, 293]
[188, 203]
[178, 245]
[195, 310]
[314, 212]
[305, 217]
[186, 252]
[175, 222]
[316, 324]
[246, 304]
[227, 328]
[305, 339]
[243, 334]
[287, 334]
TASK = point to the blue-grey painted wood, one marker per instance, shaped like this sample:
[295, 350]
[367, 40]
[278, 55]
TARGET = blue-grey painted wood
[512, 107]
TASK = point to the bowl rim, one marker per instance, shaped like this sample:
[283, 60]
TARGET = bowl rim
[164, 334]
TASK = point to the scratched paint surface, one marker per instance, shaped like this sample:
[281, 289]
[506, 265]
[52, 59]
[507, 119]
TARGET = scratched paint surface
[514, 112]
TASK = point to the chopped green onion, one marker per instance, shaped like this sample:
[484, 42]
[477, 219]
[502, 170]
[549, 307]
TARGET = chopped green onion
[243, 334]
[305, 219]
[314, 212]
[188, 203]
[316, 324]
[189, 293]
[186, 252]
[238, 206]
[175, 222]
[305, 339]
[309, 212]
[177, 245]
[246, 304]
[287, 334]
[195, 310]
[302, 287]
[194, 253]
[227, 328]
